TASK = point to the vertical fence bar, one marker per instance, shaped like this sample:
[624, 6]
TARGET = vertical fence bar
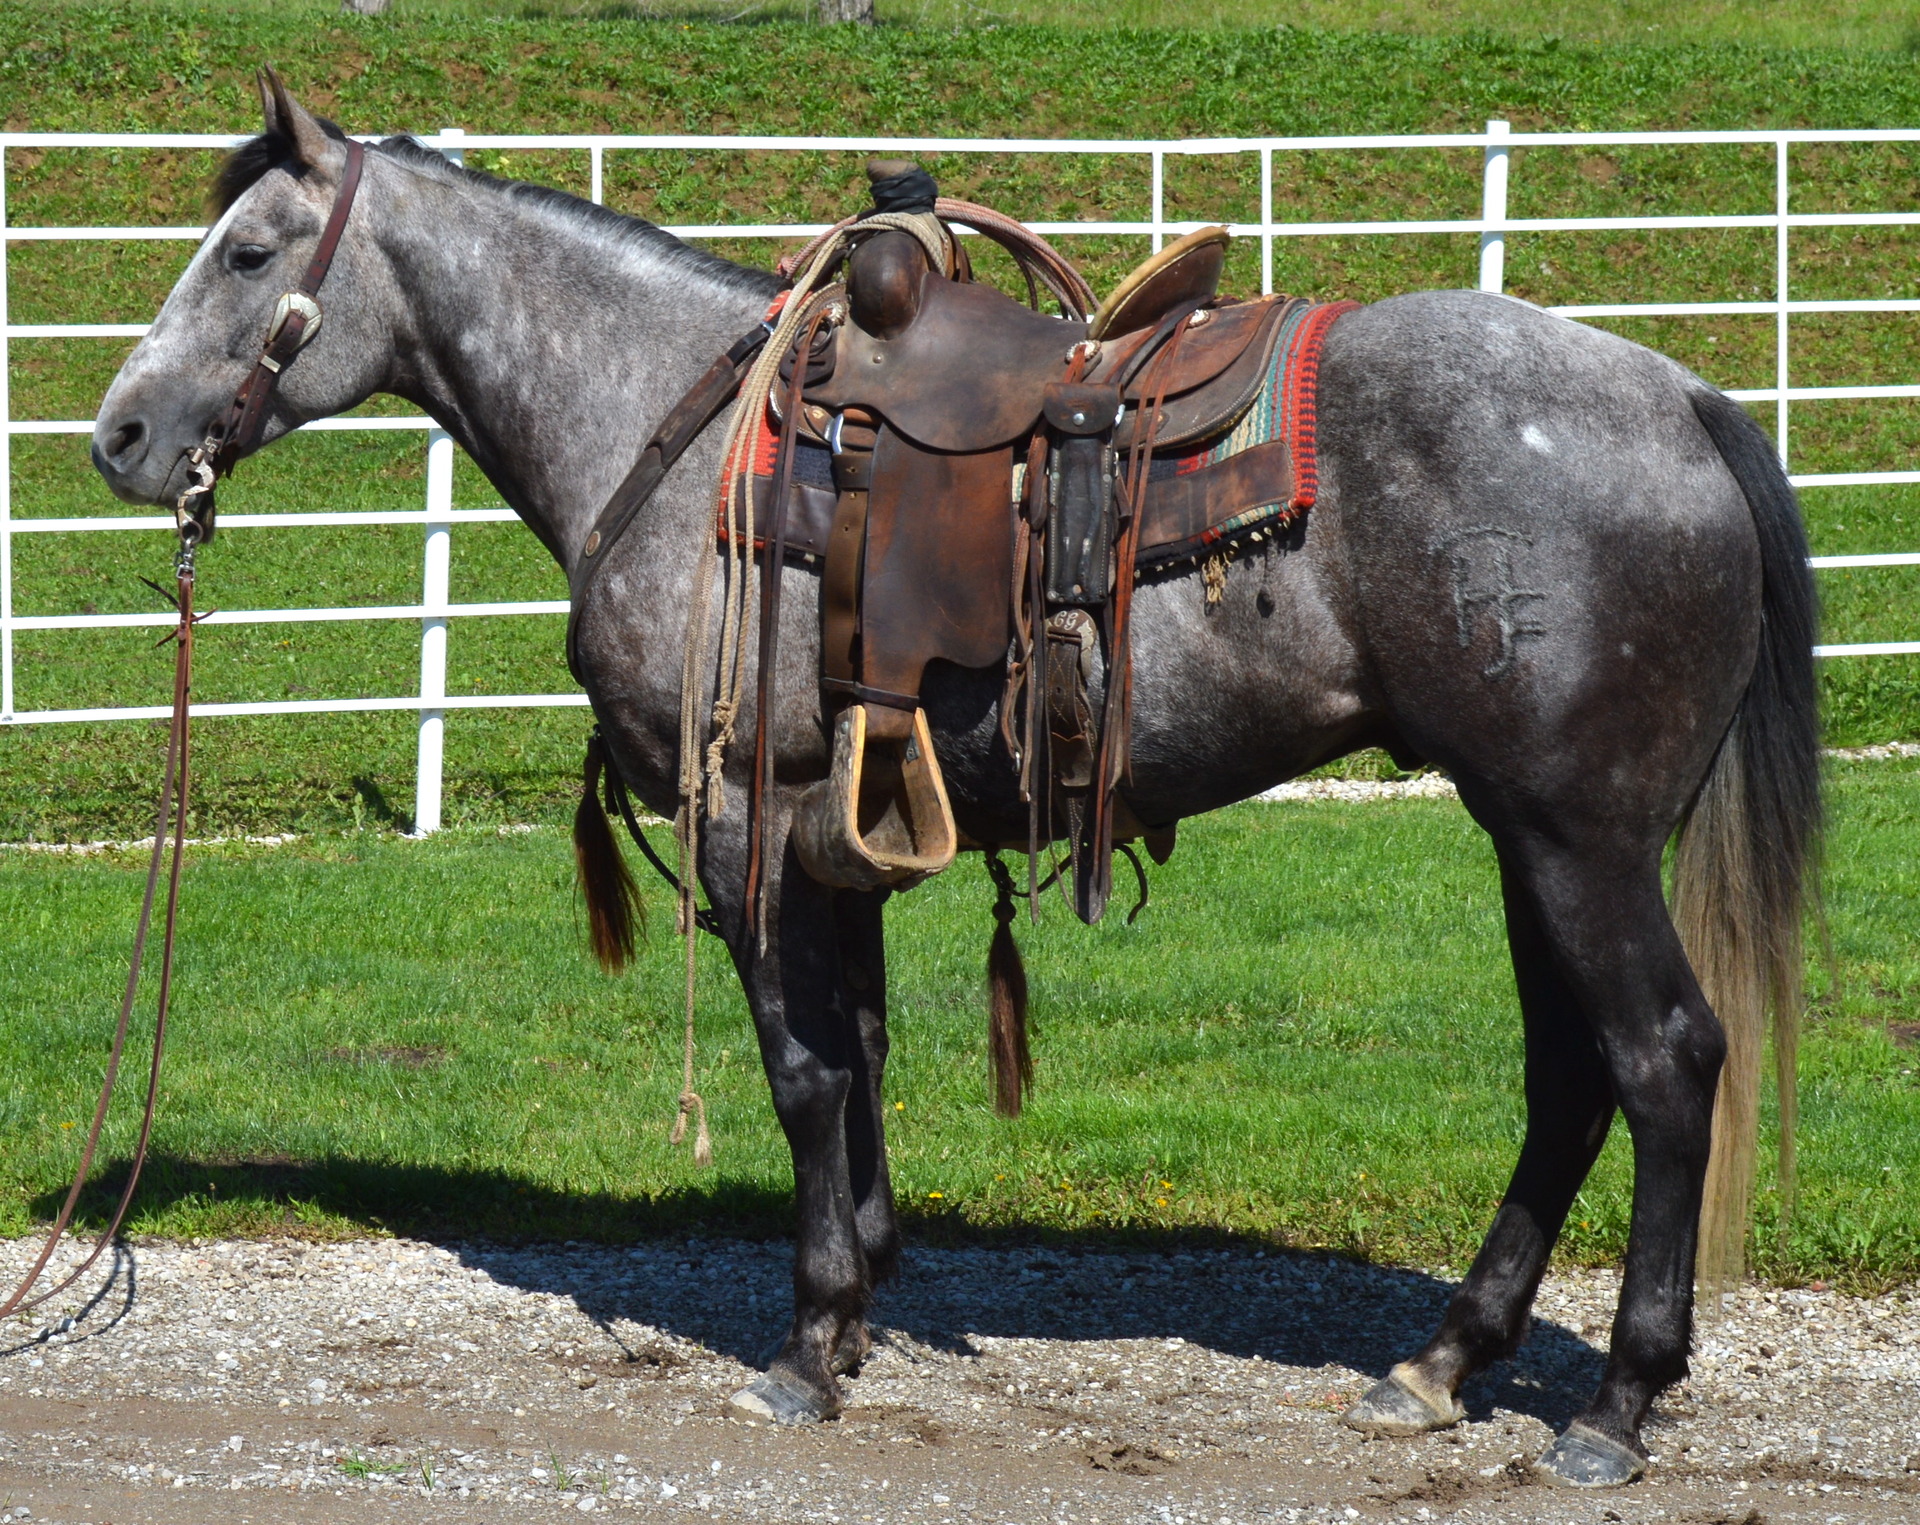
[6, 471]
[1159, 198]
[433, 633]
[1780, 296]
[435, 579]
[599, 158]
[1493, 209]
[1266, 222]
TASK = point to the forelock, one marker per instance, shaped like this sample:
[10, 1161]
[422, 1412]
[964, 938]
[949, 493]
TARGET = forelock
[250, 163]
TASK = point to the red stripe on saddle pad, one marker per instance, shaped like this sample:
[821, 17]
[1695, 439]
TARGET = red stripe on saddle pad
[1301, 385]
[766, 440]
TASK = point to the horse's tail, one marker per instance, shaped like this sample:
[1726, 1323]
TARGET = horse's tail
[1745, 861]
[612, 901]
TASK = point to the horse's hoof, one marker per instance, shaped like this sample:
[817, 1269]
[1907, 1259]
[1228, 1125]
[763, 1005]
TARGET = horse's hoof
[1403, 1404]
[774, 1399]
[1584, 1458]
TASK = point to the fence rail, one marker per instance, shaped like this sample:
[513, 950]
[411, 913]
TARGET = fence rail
[438, 517]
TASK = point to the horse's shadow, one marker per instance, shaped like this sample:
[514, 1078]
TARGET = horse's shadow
[1295, 1309]
[714, 1266]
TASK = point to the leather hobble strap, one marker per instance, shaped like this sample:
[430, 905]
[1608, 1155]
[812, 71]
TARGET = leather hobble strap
[1023, 611]
[775, 556]
[1115, 739]
[846, 548]
[1037, 764]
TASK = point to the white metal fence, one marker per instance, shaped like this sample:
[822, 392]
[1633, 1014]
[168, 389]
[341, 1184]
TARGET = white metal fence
[438, 516]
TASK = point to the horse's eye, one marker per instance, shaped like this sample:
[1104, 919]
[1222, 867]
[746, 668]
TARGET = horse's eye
[247, 258]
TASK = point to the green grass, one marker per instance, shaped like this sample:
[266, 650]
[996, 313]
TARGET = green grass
[1310, 1037]
[1780, 23]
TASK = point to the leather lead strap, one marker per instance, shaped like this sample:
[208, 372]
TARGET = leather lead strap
[172, 815]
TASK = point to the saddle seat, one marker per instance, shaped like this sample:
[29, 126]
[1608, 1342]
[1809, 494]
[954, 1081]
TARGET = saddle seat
[929, 392]
[961, 367]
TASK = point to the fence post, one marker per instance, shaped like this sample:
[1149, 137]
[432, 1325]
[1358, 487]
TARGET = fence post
[6, 472]
[1493, 209]
[1780, 296]
[597, 157]
[1159, 198]
[434, 589]
[1266, 222]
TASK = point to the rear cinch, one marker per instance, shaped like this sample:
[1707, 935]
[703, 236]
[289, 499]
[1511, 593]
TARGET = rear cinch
[1007, 1001]
[604, 879]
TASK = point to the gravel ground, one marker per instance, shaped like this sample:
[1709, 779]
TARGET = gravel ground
[393, 1380]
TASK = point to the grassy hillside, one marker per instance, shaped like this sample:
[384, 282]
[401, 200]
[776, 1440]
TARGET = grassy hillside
[151, 67]
[1779, 23]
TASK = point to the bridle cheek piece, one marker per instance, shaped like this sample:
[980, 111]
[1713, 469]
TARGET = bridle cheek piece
[296, 319]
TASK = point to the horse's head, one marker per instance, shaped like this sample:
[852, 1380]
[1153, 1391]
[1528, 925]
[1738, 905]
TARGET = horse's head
[273, 198]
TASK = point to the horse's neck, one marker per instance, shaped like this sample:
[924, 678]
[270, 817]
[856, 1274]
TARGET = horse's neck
[549, 352]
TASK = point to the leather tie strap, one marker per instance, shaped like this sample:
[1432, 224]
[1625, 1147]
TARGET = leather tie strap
[171, 823]
[700, 405]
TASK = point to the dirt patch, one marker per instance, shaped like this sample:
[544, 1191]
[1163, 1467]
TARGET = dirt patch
[1142, 1461]
[404, 1056]
[468, 1383]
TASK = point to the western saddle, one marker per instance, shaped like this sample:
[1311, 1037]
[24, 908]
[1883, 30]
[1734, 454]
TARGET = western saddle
[1000, 480]
[984, 484]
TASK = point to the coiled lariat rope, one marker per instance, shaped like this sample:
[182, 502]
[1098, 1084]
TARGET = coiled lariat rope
[706, 732]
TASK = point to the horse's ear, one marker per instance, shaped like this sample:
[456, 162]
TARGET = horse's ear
[287, 118]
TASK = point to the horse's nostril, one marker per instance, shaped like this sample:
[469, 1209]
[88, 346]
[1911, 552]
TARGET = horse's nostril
[126, 441]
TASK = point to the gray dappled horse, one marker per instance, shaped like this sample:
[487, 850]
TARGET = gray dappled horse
[1555, 564]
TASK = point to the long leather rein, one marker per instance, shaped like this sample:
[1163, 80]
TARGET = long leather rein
[296, 319]
[172, 821]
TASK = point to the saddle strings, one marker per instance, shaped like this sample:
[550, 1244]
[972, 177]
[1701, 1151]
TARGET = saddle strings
[706, 733]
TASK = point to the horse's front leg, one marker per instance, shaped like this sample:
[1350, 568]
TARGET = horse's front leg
[819, 1014]
[860, 933]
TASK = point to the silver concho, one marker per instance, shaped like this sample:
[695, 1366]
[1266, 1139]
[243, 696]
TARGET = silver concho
[286, 307]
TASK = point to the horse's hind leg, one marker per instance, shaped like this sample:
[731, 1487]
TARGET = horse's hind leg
[1664, 1048]
[1615, 957]
[1569, 1108]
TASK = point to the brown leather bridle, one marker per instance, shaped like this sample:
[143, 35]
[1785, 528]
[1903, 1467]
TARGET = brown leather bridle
[296, 319]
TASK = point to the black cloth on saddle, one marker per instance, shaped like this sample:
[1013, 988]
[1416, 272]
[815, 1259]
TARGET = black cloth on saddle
[912, 191]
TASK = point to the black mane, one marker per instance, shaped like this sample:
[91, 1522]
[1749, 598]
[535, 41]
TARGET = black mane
[251, 161]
